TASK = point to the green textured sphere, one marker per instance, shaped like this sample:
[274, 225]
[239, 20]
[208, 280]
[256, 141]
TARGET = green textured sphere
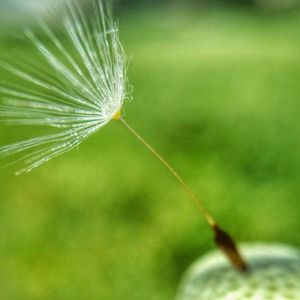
[274, 275]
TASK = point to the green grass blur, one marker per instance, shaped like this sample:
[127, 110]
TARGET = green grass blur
[218, 94]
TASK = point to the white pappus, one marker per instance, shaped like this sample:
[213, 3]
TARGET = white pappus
[84, 91]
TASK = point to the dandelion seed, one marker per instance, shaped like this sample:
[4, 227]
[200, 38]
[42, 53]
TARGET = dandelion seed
[85, 90]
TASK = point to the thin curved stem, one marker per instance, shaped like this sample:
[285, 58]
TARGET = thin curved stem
[222, 239]
[210, 220]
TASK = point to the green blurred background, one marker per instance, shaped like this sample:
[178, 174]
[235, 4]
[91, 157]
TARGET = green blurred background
[216, 90]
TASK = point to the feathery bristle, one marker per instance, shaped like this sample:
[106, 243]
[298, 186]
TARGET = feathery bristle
[83, 92]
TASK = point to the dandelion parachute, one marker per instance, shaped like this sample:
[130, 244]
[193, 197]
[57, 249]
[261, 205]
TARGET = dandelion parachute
[85, 89]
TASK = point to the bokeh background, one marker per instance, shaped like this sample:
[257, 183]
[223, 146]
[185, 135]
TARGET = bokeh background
[217, 91]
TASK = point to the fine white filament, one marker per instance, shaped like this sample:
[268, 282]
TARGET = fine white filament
[84, 90]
